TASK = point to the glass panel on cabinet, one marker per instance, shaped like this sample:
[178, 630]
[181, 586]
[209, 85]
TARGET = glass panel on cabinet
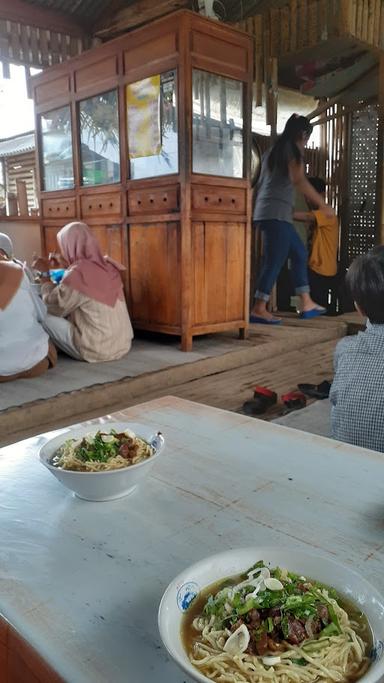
[217, 125]
[152, 126]
[99, 139]
[56, 145]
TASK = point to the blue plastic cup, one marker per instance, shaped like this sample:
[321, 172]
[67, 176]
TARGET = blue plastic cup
[57, 275]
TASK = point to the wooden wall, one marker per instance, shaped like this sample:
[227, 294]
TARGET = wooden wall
[22, 167]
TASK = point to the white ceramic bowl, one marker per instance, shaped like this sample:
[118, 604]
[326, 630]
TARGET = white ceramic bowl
[190, 582]
[100, 486]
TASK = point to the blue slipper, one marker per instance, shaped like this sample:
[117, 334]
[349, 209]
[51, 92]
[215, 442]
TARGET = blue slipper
[313, 313]
[264, 321]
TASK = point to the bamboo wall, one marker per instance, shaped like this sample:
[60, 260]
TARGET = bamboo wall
[364, 19]
[314, 157]
[334, 152]
[301, 24]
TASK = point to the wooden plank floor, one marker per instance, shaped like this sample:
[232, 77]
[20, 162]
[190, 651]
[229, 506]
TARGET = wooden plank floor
[221, 387]
[229, 390]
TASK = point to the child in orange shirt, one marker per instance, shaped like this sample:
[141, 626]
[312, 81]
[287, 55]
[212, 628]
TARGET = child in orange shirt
[323, 248]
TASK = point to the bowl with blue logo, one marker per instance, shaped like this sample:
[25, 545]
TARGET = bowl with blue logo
[194, 581]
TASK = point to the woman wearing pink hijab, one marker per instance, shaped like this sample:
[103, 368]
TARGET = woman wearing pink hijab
[87, 314]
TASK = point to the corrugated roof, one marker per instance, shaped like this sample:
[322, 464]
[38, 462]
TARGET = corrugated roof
[230, 10]
[236, 10]
[79, 9]
[18, 144]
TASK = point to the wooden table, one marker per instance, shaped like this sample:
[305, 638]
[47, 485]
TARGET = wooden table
[81, 582]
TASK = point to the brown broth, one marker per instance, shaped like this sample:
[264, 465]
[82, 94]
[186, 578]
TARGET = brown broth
[189, 635]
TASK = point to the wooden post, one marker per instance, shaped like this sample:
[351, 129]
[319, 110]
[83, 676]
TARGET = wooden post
[11, 204]
[4, 176]
[359, 20]
[380, 156]
[6, 70]
[284, 22]
[381, 41]
[377, 25]
[293, 26]
[274, 96]
[267, 67]
[258, 74]
[345, 198]
[275, 29]
[344, 16]
[352, 17]
[22, 198]
[371, 22]
[27, 71]
[364, 30]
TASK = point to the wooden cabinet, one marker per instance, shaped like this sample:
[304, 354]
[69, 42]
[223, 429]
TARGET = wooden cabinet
[159, 167]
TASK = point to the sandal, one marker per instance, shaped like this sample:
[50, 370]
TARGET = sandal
[319, 391]
[313, 313]
[294, 400]
[257, 319]
[263, 399]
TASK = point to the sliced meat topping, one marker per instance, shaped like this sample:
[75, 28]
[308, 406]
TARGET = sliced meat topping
[296, 632]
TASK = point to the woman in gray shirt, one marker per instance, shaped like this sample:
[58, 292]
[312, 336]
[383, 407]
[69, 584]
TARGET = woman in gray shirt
[282, 172]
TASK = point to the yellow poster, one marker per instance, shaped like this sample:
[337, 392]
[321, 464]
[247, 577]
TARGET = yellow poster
[143, 112]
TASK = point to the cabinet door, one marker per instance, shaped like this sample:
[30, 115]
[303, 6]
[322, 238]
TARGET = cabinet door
[219, 267]
[154, 271]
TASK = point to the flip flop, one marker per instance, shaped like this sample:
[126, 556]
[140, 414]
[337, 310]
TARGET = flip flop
[263, 399]
[313, 313]
[264, 321]
[294, 400]
[319, 391]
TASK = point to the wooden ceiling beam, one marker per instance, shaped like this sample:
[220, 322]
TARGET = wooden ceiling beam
[22, 12]
[137, 14]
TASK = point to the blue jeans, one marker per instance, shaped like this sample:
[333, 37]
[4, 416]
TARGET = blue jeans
[280, 242]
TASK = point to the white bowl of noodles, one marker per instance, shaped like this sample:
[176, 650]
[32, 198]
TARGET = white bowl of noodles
[213, 641]
[102, 462]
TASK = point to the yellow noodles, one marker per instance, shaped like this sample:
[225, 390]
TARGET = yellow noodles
[341, 659]
[67, 458]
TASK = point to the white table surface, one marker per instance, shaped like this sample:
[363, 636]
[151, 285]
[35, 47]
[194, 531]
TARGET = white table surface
[82, 581]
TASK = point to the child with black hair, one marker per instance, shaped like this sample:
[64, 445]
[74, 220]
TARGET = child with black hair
[357, 391]
[323, 245]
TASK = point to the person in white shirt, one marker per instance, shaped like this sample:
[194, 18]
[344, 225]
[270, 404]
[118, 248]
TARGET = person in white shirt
[6, 249]
[25, 349]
